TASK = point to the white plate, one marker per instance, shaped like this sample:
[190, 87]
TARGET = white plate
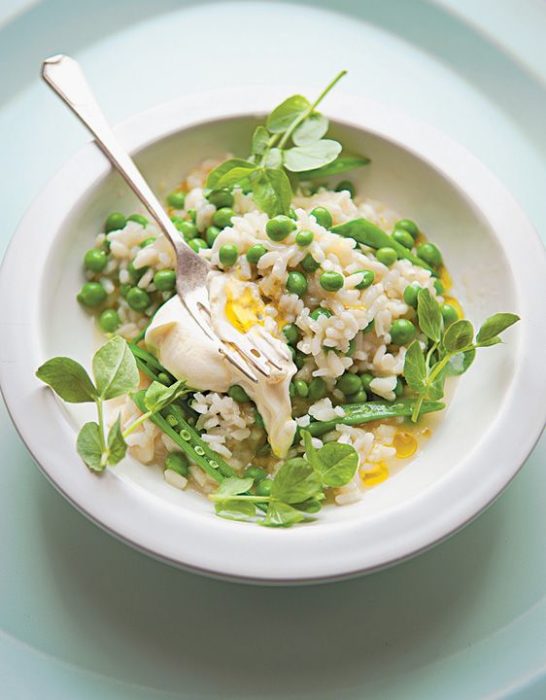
[490, 248]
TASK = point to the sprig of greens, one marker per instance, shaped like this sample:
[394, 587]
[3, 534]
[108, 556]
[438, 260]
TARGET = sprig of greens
[115, 373]
[451, 350]
[290, 144]
[296, 490]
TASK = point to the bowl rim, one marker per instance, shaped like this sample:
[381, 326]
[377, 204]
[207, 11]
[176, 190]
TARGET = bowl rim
[222, 548]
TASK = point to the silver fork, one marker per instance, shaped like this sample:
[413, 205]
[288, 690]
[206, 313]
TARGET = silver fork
[64, 75]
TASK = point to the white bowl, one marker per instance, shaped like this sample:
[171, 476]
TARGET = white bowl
[484, 436]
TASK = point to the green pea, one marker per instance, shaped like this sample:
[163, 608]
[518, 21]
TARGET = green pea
[164, 378]
[291, 390]
[92, 294]
[238, 394]
[322, 216]
[135, 272]
[304, 238]
[138, 299]
[109, 320]
[192, 213]
[114, 222]
[221, 198]
[298, 357]
[331, 281]
[124, 290]
[256, 473]
[178, 462]
[349, 383]
[387, 256]
[263, 488]
[317, 388]
[255, 252]
[222, 217]
[403, 237]
[399, 388]
[95, 260]
[368, 278]
[176, 199]
[228, 254]
[212, 234]
[409, 226]
[358, 397]
[402, 331]
[296, 283]
[139, 219]
[352, 347]
[410, 294]
[291, 333]
[438, 286]
[309, 263]
[346, 185]
[430, 254]
[366, 379]
[186, 228]
[302, 388]
[449, 314]
[197, 244]
[320, 311]
[279, 227]
[165, 280]
[370, 326]
[292, 214]
[258, 419]
[147, 241]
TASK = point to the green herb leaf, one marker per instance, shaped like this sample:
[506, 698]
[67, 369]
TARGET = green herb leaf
[117, 447]
[459, 335]
[235, 176]
[272, 191]
[260, 139]
[158, 395]
[415, 371]
[435, 389]
[283, 116]
[273, 158]
[338, 464]
[296, 481]
[494, 325]
[115, 369]
[311, 129]
[281, 514]
[495, 340]
[89, 446]
[459, 363]
[244, 511]
[68, 379]
[216, 175]
[429, 315]
[342, 164]
[233, 486]
[311, 155]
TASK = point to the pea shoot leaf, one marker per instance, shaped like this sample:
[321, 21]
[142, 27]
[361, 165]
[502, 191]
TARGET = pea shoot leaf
[342, 164]
[260, 139]
[236, 510]
[311, 129]
[283, 116]
[158, 395]
[272, 191]
[89, 447]
[295, 482]
[273, 158]
[494, 325]
[115, 369]
[281, 514]
[235, 176]
[311, 155]
[337, 464]
[415, 371]
[429, 315]
[117, 447]
[232, 486]
[68, 379]
[216, 175]
[460, 362]
[458, 335]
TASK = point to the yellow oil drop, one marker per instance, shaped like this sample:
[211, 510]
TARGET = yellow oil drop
[244, 311]
[405, 445]
[445, 278]
[376, 475]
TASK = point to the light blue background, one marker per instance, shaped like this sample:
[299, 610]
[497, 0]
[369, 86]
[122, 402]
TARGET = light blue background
[84, 616]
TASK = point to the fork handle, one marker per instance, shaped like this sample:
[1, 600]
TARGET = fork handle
[64, 75]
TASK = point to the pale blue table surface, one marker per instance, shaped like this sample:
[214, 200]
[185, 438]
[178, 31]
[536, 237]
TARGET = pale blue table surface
[84, 616]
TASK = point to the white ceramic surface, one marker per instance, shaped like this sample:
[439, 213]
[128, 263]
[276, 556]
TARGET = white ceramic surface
[478, 446]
